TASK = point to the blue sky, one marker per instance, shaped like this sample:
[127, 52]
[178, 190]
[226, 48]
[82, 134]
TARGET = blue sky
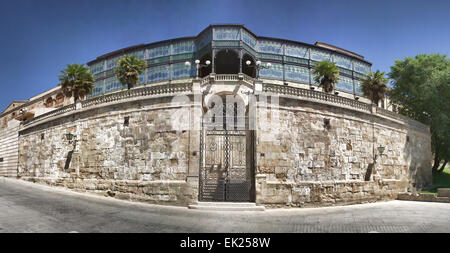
[39, 38]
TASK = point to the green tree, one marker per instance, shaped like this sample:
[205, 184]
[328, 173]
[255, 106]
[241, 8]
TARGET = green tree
[421, 89]
[374, 86]
[76, 80]
[128, 69]
[326, 74]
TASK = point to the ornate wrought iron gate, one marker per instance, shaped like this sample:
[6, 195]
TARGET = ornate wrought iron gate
[225, 172]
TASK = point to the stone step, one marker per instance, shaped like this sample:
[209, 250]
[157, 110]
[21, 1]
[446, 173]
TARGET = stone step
[227, 206]
[444, 192]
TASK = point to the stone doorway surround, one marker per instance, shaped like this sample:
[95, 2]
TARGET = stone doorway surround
[226, 157]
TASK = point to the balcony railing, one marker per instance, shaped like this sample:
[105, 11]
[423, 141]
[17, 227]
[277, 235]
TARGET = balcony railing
[139, 92]
[266, 88]
[316, 95]
[62, 110]
[226, 78]
[122, 95]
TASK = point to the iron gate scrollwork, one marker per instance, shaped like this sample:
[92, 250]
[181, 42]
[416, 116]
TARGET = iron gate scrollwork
[225, 173]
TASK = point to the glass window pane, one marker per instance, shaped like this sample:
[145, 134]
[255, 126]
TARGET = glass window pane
[158, 51]
[320, 55]
[159, 73]
[180, 70]
[112, 63]
[204, 40]
[272, 47]
[345, 84]
[275, 71]
[343, 61]
[297, 51]
[297, 73]
[112, 84]
[97, 67]
[248, 39]
[226, 33]
[361, 67]
[183, 47]
[357, 84]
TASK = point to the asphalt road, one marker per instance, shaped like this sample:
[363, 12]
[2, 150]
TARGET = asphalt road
[28, 207]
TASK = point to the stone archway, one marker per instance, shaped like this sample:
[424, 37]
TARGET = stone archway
[226, 62]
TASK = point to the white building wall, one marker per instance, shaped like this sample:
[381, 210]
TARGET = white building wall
[9, 149]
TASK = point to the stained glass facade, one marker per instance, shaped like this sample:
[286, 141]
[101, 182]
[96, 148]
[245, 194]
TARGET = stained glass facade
[180, 70]
[248, 39]
[275, 71]
[361, 67]
[320, 55]
[271, 47]
[357, 84]
[97, 68]
[112, 84]
[139, 54]
[297, 51]
[342, 61]
[183, 47]
[112, 63]
[290, 61]
[297, 73]
[226, 33]
[158, 51]
[345, 84]
[204, 40]
[157, 74]
[98, 88]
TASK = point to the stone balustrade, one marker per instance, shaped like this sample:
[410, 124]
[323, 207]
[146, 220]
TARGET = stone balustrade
[59, 111]
[139, 92]
[316, 95]
[266, 88]
[117, 96]
[226, 77]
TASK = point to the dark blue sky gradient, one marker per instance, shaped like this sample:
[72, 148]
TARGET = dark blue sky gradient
[38, 38]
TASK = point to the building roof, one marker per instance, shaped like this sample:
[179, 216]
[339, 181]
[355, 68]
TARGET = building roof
[14, 104]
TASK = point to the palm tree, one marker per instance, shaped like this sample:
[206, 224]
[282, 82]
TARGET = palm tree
[128, 69]
[326, 74]
[76, 80]
[374, 86]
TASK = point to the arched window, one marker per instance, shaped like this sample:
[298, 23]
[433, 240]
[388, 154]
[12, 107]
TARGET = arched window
[59, 98]
[49, 102]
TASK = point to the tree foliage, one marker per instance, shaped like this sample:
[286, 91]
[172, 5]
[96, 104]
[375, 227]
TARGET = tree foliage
[326, 74]
[128, 69]
[76, 80]
[374, 86]
[421, 88]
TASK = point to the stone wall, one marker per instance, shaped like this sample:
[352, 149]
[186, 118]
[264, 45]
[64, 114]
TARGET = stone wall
[320, 154]
[9, 149]
[324, 155]
[146, 160]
